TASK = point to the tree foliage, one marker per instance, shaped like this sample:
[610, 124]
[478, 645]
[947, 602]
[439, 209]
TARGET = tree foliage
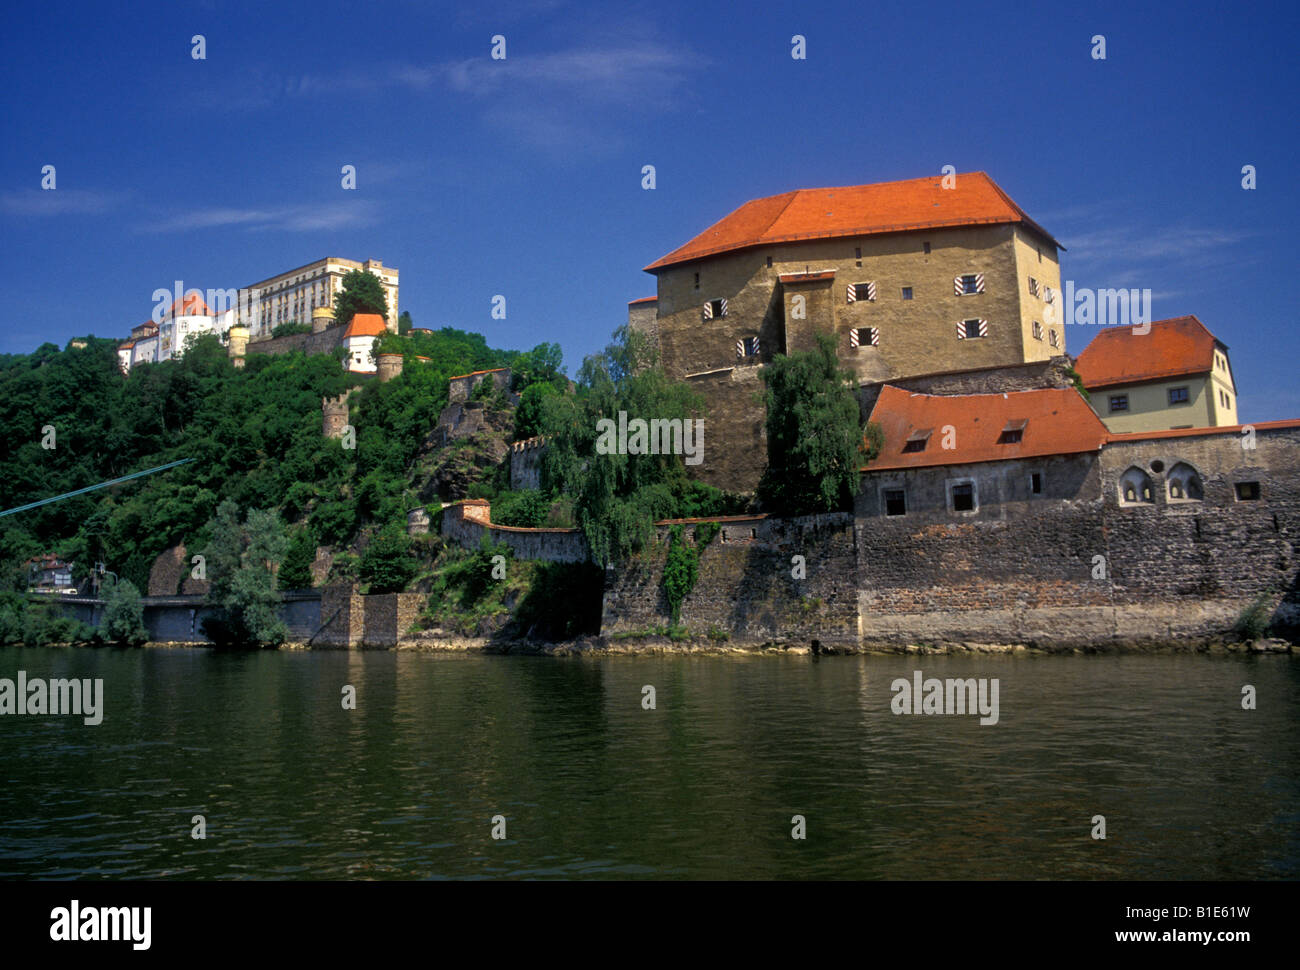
[812, 433]
[241, 562]
[618, 497]
[362, 292]
[123, 620]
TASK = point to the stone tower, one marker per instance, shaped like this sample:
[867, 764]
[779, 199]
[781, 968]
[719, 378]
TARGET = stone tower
[322, 318]
[388, 366]
[334, 414]
[238, 344]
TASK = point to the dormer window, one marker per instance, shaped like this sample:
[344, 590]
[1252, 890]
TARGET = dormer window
[1013, 432]
[917, 440]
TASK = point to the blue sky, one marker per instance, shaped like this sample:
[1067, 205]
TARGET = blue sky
[523, 177]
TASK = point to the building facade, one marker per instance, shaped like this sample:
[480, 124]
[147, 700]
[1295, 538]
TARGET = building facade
[911, 277]
[291, 297]
[1174, 376]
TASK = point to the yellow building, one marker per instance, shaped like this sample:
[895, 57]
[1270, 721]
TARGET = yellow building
[928, 275]
[1177, 375]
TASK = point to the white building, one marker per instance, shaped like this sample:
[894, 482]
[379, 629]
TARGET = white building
[359, 339]
[290, 297]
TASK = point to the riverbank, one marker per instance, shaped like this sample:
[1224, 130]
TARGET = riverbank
[662, 645]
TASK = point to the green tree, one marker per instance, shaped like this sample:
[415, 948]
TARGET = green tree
[362, 292]
[528, 415]
[240, 565]
[295, 571]
[386, 564]
[404, 323]
[123, 620]
[812, 433]
[617, 497]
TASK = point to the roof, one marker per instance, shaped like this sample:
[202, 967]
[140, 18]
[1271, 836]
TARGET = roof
[191, 305]
[1176, 347]
[644, 299]
[856, 210]
[1057, 421]
[366, 325]
[475, 373]
[1232, 429]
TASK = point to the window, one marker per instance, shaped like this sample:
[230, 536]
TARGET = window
[860, 291]
[1184, 484]
[907, 293]
[916, 441]
[969, 284]
[1247, 491]
[1118, 402]
[1013, 433]
[963, 497]
[1033, 287]
[1038, 330]
[747, 347]
[715, 308]
[895, 502]
[697, 281]
[1036, 483]
[1178, 395]
[769, 262]
[857, 253]
[1053, 339]
[1136, 488]
[866, 336]
[926, 248]
[972, 329]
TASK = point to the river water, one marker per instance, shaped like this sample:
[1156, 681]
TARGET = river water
[592, 785]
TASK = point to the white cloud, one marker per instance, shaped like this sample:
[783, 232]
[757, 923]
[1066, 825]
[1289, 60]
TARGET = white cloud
[296, 218]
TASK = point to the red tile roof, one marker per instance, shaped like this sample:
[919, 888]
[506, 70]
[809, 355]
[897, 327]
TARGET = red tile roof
[191, 305]
[1173, 348]
[1058, 421]
[856, 210]
[644, 299]
[365, 325]
[1232, 429]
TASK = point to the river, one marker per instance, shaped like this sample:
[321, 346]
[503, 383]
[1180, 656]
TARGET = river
[704, 786]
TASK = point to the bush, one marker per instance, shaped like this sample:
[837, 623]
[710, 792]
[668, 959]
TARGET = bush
[681, 570]
[123, 614]
[1253, 623]
[386, 563]
[524, 510]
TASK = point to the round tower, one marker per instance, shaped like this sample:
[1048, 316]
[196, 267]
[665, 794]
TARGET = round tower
[322, 318]
[334, 416]
[417, 522]
[388, 366]
[238, 344]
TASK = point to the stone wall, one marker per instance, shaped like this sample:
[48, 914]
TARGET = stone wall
[461, 387]
[746, 588]
[322, 342]
[466, 523]
[526, 463]
[989, 380]
[1074, 566]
